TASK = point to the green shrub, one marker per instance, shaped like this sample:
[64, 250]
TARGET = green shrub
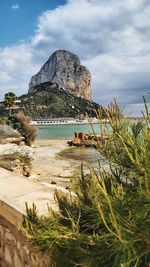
[4, 121]
[107, 223]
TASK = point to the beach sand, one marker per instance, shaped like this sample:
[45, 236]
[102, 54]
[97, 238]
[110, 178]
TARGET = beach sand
[48, 166]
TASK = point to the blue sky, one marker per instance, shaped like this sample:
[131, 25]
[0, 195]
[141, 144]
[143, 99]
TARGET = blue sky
[111, 38]
[18, 19]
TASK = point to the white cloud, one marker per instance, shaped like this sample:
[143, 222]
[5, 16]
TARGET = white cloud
[15, 7]
[135, 110]
[111, 38]
[16, 66]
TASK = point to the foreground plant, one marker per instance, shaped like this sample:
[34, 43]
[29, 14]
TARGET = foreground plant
[107, 222]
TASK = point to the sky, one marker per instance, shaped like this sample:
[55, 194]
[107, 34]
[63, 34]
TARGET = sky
[111, 38]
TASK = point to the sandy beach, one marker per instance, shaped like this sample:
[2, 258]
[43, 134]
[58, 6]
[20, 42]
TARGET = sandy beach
[51, 166]
[48, 166]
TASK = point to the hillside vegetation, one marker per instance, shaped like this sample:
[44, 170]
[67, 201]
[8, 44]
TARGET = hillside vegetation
[50, 101]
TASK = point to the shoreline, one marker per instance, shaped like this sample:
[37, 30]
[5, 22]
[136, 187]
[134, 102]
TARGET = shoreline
[53, 165]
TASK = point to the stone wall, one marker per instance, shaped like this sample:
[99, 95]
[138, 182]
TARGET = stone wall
[14, 249]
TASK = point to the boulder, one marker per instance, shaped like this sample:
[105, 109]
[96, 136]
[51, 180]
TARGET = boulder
[10, 149]
[16, 158]
[7, 131]
[13, 140]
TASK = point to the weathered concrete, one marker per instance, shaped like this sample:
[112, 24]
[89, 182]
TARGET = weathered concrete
[14, 192]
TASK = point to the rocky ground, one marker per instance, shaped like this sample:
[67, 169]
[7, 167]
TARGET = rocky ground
[51, 162]
[48, 166]
[16, 158]
[56, 162]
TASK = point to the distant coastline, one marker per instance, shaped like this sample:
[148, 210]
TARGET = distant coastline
[65, 121]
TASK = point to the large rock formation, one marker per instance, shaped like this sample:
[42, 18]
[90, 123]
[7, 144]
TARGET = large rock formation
[64, 69]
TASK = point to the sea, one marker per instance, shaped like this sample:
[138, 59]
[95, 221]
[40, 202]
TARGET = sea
[64, 132]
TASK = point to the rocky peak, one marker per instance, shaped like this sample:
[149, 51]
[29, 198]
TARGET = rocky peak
[64, 69]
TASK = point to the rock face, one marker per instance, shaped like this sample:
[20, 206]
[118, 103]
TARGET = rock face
[6, 131]
[64, 69]
[16, 158]
[11, 149]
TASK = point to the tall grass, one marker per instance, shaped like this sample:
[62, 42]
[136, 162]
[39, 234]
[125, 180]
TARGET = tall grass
[107, 223]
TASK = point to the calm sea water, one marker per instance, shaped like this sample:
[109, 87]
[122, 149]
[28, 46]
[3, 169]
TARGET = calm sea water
[64, 131]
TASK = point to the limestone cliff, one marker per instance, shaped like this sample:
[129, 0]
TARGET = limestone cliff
[65, 70]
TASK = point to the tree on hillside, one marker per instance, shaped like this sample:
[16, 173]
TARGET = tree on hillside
[10, 100]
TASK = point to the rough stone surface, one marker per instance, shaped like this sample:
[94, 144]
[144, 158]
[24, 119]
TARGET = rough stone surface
[15, 190]
[64, 69]
[10, 149]
[8, 132]
[16, 158]
[13, 256]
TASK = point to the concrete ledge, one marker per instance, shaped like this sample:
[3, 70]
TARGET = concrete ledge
[15, 190]
[11, 214]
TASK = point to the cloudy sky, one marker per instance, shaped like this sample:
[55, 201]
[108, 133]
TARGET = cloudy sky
[111, 38]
